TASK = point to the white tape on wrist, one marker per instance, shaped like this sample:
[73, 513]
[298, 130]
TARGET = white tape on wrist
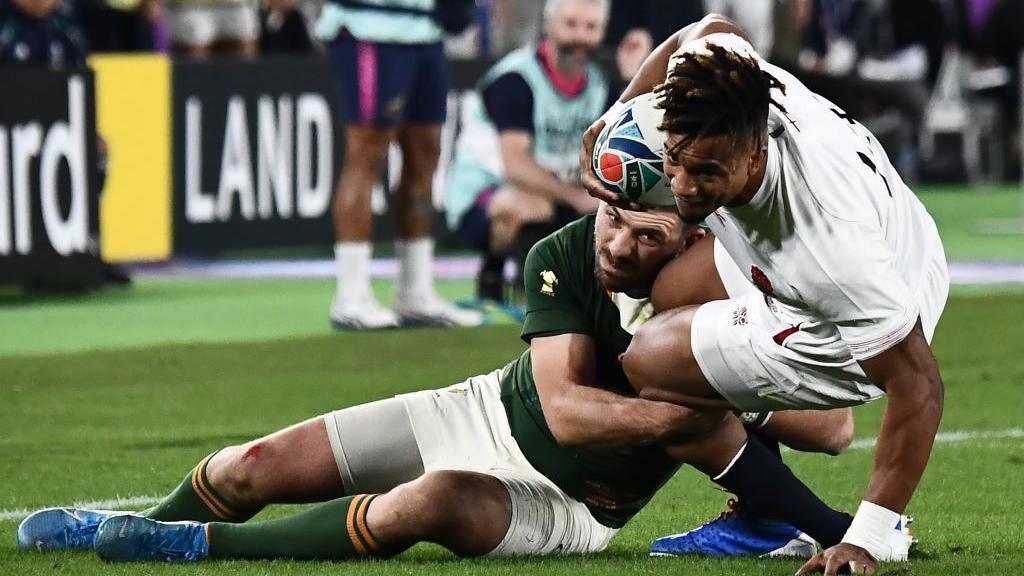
[871, 527]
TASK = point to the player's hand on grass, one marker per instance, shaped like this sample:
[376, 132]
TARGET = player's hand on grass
[589, 179]
[842, 558]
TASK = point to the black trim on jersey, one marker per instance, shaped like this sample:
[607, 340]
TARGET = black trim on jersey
[867, 162]
[778, 131]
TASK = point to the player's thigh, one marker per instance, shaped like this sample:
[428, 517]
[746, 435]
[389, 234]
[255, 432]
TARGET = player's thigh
[512, 204]
[689, 279]
[421, 147]
[381, 445]
[467, 512]
[545, 520]
[660, 362]
[373, 446]
[366, 149]
[758, 362]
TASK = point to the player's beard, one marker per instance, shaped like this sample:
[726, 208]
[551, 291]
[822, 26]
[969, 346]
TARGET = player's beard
[573, 57]
[629, 283]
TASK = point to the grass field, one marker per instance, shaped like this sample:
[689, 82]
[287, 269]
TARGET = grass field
[119, 393]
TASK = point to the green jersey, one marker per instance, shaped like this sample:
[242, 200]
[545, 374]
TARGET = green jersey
[564, 296]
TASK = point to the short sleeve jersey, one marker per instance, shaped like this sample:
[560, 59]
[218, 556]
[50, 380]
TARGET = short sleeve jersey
[564, 296]
[835, 240]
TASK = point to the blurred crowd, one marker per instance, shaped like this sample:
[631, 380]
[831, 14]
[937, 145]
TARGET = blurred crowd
[883, 39]
[916, 63]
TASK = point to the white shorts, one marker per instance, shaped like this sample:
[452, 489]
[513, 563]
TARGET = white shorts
[732, 341]
[205, 24]
[464, 427]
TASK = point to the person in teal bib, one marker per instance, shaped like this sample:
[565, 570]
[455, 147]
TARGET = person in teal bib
[550, 454]
[515, 174]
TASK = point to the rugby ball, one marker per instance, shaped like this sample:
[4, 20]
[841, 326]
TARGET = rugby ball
[629, 153]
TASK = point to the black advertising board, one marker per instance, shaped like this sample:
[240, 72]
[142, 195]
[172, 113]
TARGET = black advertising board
[255, 155]
[257, 152]
[49, 209]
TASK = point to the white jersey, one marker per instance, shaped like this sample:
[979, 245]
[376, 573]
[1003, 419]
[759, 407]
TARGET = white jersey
[838, 244]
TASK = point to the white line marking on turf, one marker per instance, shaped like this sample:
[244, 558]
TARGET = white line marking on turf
[952, 437]
[144, 501]
[112, 504]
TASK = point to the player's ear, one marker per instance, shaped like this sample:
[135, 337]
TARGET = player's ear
[759, 158]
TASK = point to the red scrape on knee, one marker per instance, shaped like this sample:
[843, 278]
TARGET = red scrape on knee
[253, 451]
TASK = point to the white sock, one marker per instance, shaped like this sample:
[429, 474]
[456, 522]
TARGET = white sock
[415, 269]
[352, 269]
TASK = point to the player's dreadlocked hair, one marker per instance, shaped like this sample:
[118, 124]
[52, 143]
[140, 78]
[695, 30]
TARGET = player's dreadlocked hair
[717, 92]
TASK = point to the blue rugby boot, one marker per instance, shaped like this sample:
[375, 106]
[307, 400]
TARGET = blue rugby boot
[138, 539]
[738, 533]
[61, 528]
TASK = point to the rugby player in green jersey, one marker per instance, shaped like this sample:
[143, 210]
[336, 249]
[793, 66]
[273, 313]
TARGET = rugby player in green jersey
[551, 454]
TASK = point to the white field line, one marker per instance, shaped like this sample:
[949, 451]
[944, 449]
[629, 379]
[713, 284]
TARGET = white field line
[952, 437]
[117, 503]
[145, 501]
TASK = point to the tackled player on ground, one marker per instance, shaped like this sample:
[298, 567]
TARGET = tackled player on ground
[526, 460]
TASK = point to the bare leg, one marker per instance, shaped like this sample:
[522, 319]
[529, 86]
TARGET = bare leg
[510, 209]
[467, 512]
[421, 147]
[365, 151]
[293, 465]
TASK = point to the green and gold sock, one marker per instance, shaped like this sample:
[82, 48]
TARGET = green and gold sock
[196, 500]
[334, 530]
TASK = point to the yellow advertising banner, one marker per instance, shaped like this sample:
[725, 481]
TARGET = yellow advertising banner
[133, 116]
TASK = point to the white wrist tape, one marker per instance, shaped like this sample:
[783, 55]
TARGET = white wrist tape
[871, 528]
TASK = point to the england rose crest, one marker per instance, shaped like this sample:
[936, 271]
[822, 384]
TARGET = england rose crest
[760, 280]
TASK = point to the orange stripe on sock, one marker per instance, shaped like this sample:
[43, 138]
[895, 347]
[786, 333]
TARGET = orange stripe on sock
[364, 530]
[350, 523]
[200, 489]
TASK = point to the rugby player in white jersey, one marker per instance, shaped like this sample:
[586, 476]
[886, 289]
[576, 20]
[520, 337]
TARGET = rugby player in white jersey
[841, 273]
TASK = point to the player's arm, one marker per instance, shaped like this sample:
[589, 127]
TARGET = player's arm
[579, 414]
[523, 172]
[652, 72]
[910, 377]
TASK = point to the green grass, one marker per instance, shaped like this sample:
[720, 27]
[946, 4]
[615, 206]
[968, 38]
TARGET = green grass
[958, 212]
[97, 400]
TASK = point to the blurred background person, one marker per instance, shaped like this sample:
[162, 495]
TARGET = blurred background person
[45, 33]
[660, 18]
[203, 28]
[40, 33]
[755, 17]
[120, 25]
[392, 76]
[283, 29]
[515, 175]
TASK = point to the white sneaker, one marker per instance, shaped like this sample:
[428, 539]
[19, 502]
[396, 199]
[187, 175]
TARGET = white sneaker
[432, 310]
[364, 314]
[900, 541]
